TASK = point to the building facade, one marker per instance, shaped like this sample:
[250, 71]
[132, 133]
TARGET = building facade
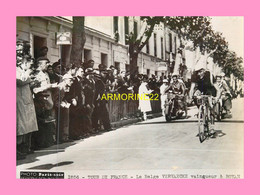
[106, 43]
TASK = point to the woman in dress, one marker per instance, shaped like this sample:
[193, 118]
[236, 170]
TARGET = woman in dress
[144, 101]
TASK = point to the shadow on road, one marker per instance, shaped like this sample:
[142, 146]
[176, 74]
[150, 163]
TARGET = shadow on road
[54, 149]
[50, 166]
[46, 151]
[217, 133]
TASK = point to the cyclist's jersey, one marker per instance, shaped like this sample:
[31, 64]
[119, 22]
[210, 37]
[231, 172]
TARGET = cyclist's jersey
[204, 84]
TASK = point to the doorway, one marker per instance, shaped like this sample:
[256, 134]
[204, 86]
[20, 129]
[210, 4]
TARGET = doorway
[38, 43]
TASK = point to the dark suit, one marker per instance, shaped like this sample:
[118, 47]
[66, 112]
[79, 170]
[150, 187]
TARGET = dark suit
[100, 112]
[78, 112]
[89, 91]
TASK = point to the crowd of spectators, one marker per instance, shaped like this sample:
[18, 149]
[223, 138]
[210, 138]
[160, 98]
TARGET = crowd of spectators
[56, 104]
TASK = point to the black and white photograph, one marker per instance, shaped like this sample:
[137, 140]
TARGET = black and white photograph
[129, 97]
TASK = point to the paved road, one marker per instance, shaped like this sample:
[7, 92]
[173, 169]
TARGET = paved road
[151, 145]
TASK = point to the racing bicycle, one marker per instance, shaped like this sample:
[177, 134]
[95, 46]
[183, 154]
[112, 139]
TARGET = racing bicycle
[205, 118]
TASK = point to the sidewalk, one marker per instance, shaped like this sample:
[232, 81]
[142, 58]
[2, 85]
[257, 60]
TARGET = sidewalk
[58, 148]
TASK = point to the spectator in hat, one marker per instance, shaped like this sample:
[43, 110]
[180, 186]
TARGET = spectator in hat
[26, 48]
[44, 106]
[100, 112]
[26, 122]
[19, 46]
[77, 109]
[102, 67]
[112, 67]
[89, 91]
[122, 83]
[62, 105]
[57, 72]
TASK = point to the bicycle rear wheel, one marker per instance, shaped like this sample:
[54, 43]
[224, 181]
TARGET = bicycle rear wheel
[201, 123]
[218, 111]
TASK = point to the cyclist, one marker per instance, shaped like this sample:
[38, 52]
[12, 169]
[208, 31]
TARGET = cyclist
[201, 84]
[225, 94]
[178, 88]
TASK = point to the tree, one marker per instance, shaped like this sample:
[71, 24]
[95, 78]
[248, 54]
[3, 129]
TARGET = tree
[233, 65]
[187, 29]
[136, 42]
[199, 30]
[78, 40]
[191, 30]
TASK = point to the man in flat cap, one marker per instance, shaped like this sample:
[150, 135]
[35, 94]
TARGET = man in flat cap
[43, 106]
[89, 91]
[100, 112]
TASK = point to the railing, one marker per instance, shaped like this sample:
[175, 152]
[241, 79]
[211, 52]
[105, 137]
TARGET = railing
[124, 109]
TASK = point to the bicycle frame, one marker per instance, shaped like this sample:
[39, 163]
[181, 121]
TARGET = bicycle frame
[204, 118]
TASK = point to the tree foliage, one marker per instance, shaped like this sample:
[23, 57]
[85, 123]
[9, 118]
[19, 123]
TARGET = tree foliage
[136, 42]
[199, 31]
[234, 65]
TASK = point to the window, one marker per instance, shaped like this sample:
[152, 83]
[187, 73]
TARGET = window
[170, 42]
[162, 48]
[148, 72]
[147, 47]
[156, 73]
[126, 20]
[155, 45]
[127, 68]
[104, 59]
[87, 55]
[116, 33]
[115, 24]
[38, 43]
[135, 29]
[117, 66]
